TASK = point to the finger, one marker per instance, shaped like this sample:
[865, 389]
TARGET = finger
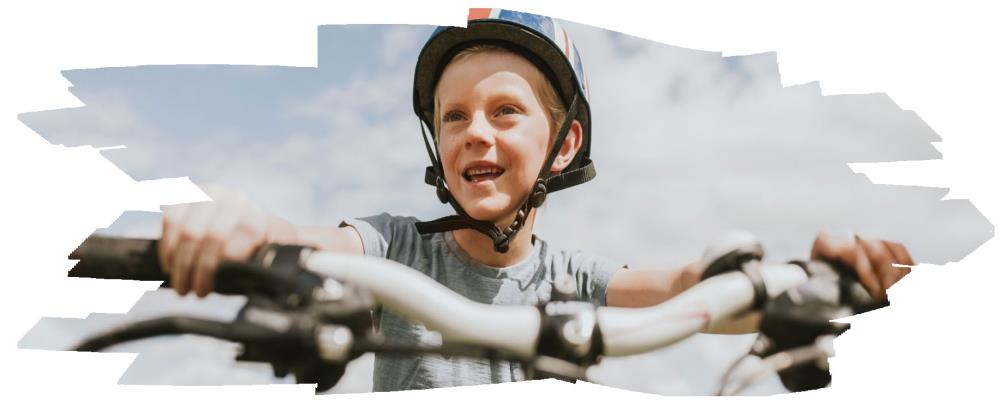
[850, 254]
[826, 246]
[866, 273]
[192, 231]
[901, 257]
[180, 275]
[900, 252]
[205, 267]
[220, 230]
[173, 217]
[881, 260]
[821, 245]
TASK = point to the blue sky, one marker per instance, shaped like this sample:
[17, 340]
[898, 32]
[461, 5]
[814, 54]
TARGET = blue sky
[687, 144]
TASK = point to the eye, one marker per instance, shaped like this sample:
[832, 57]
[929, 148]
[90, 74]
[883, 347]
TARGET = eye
[452, 116]
[506, 110]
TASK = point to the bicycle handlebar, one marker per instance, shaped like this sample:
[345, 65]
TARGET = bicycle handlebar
[118, 258]
[626, 331]
[307, 289]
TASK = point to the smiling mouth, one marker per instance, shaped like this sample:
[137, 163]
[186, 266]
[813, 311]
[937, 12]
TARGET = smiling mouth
[482, 174]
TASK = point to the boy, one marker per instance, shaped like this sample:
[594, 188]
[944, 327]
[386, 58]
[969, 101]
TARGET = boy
[506, 104]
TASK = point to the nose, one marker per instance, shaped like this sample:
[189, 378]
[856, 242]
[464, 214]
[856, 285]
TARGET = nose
[480, 131]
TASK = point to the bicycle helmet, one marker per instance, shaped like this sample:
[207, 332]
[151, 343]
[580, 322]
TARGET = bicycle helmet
[543, 42]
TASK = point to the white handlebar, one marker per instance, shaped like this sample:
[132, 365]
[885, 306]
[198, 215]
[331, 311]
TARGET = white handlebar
[625, 331]
[628, 331]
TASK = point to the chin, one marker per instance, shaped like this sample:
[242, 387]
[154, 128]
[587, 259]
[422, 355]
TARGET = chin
[488, 209]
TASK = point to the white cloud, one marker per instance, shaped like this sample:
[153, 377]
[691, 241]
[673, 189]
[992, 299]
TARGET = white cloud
[399, 43]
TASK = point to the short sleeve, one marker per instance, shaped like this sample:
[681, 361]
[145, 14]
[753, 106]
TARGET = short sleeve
[592, 274]
[376, 233]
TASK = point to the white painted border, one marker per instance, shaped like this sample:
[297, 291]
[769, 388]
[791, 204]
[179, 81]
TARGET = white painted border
[937, 60]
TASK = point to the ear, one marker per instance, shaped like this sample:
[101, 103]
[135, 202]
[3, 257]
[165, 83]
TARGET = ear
[571, 145]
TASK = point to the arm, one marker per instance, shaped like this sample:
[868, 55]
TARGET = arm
[641, 288]
[339, 239]
[871, 260]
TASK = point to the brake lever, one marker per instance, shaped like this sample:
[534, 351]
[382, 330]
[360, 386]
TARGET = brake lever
[292, 345]
[799, 316]
[316, 320]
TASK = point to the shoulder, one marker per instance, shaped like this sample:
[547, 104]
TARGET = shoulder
[387, 223]
[388, 218]
[385, 232]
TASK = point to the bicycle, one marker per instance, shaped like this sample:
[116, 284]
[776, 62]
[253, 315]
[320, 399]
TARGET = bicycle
[308, 313]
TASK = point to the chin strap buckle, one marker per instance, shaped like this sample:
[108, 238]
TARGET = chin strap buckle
[538, 194]
[502, 244]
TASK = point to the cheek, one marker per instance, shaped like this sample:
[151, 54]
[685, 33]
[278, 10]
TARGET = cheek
[535, 150]
[447, 152]
[526, 155]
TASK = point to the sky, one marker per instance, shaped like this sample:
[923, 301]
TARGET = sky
[687, 145]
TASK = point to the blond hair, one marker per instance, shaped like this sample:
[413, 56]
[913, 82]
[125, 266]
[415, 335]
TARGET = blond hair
[544, 88]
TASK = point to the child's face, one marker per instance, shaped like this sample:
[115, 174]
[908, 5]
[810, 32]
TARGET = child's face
[494, 132]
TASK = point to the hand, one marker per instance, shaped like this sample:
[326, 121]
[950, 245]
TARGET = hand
[872, 260]
[198, 237]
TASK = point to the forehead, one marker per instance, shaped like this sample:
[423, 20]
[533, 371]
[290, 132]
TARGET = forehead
[466, 72]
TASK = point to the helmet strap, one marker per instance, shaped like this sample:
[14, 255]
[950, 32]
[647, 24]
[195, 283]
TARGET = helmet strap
[539, 192]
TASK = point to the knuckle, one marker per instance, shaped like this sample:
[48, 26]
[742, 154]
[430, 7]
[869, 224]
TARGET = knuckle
[236, 252]
[252, 228]
[877, 252]
[169, 221]
[189, 234]
[181, 270]
[215, 236]
[898, 253]
[206, 265]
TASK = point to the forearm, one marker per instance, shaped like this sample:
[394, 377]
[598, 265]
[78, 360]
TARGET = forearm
[641, 288]
[340, 239]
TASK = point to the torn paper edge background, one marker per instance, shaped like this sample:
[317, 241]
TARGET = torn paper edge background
[936, 61]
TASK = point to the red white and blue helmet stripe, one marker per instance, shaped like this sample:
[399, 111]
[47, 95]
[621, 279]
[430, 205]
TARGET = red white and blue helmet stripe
[546, 26]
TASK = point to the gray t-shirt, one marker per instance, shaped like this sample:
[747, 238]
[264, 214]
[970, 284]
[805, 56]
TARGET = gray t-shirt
[439, 256]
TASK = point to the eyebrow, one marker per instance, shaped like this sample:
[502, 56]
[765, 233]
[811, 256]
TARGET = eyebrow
[500, 94]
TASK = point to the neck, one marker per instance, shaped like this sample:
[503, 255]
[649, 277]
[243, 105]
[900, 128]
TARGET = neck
[480, 247]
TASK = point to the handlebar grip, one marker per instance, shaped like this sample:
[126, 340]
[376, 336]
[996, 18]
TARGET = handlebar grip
[271, 272]
[118, 258]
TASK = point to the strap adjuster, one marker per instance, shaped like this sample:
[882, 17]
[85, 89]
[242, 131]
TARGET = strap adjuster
[442, 191]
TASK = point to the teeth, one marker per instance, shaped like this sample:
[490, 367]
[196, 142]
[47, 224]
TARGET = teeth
[484, 171]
